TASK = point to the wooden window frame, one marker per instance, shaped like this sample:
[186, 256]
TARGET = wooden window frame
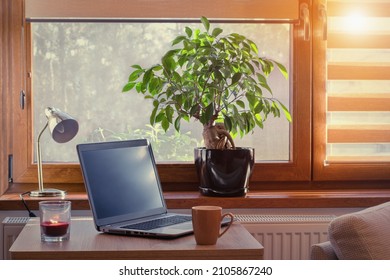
[175, 176]
[11, 81]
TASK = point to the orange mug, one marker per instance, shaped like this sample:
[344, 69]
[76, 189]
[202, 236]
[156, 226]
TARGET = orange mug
[206, 221]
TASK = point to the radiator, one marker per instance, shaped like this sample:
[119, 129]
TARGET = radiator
[287, 237]
[284, 237]
[11, 227]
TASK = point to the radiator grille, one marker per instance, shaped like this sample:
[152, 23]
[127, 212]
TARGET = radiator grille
[15, 220]
[287, 237]
[259, 219]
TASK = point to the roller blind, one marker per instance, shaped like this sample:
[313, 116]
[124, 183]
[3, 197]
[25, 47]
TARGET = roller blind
[358, 81]
[155, 9]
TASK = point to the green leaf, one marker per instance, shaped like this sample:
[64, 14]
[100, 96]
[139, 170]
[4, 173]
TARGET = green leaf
[194, 110]
[228, 123]
[128, 87]
[250, 67]
[275, 109]
[188, 31]
[160, 116]
[154, 85]
[216, 31]
[259, 121]
[165, 124]
[282, 69]
[258, 107]
[241, 125]
[152, 118]
[186, 118]
[241, 103]
[218, 75]
[263, 82]
[236, 77]
[168, 63]
[253, 46]
[196, 34]
[135, 75]
[235, 115]
[148, 74]
[206, 116]
[136, 66]
[177, 123]
[169, 111]
[139, 87]
[206, 23]
[178, 39]
[286, 112]
[251, 99]
[250, 122]
[268, 67]
[157, 67]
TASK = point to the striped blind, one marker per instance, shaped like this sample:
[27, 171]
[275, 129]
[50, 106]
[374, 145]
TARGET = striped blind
[358, 81]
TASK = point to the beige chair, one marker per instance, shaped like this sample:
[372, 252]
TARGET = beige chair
[363, 235]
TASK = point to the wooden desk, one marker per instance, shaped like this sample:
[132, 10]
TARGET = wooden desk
[86, 243]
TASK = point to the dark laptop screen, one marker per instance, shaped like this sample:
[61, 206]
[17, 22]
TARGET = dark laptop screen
[122, 181]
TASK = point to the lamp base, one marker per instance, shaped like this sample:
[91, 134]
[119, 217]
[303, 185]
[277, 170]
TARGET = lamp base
[48, 192]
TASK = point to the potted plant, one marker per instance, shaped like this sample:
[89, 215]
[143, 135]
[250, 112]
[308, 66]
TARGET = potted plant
[221, 81]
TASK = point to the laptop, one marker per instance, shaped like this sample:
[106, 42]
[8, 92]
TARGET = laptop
[124, 190]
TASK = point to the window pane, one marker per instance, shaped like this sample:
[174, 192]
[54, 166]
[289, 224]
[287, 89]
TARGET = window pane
[81, 68]
[373, 150]
[355, 105]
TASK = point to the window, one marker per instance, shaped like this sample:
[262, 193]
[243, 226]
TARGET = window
[82, 67]
[334, 93]
[291, 161]
[353, 106]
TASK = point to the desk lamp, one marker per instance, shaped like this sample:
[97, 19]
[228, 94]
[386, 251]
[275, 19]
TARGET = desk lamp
[62, 129]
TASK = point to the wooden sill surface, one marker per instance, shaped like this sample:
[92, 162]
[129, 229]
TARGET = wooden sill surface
[254, 199]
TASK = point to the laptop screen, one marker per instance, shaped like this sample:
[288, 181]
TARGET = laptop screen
[121, 179]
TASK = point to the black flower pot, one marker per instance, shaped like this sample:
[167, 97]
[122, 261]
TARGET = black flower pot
[224, 172]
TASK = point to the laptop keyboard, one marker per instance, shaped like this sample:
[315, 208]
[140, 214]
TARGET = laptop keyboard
[158, 223]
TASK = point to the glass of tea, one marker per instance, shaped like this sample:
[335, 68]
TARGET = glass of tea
[55, 220]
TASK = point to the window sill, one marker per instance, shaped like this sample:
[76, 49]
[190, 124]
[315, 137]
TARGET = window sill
[254, 199]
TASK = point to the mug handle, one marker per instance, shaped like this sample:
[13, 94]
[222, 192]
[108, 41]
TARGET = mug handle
[230, 223]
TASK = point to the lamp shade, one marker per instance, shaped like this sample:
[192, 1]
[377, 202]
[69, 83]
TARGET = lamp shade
[61, 125]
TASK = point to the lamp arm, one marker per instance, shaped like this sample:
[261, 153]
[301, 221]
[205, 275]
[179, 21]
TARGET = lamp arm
[39, 159]
[62, 129]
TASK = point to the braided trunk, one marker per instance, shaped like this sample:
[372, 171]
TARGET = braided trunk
[217, 137]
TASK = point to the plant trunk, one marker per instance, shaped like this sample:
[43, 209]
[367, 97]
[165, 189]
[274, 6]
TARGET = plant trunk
[217, 137]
